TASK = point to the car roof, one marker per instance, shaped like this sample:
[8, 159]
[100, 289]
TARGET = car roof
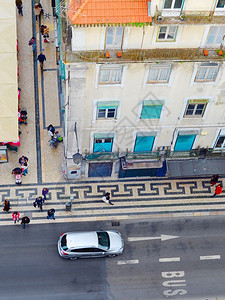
[83, 239]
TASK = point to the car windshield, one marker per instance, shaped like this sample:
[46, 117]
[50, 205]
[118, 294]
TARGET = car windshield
[103, 239]
[63, 243]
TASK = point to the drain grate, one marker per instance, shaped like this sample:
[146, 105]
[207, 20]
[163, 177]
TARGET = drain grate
[115, 223]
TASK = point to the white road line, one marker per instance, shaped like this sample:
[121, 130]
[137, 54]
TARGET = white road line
[169, 259]
[128, 262]
[206, 257]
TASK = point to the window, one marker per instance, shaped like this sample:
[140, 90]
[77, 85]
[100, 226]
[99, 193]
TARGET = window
[159, 73]
[221, 4]
[216, 35]
[114, 37]
[103, 142]
[86, 250]
[144, 142]
[110, 74]
[107, 110]
[185, 141]
[173, 4]
[103, 240]
[207, 72]
[151, 109]
[195, 108]
[167, 33]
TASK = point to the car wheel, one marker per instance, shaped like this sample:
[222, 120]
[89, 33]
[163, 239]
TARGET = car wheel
[73, 258]
[111, 255]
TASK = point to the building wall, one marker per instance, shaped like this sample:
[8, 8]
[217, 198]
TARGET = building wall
[134, 91]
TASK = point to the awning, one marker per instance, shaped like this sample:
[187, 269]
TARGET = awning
[8, 72]
[195, 167]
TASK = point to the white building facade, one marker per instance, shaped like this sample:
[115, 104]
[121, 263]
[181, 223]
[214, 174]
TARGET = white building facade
[146, 92]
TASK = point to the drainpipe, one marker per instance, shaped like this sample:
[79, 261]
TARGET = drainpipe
[181, 10]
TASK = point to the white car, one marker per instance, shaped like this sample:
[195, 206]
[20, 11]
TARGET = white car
[88, 244]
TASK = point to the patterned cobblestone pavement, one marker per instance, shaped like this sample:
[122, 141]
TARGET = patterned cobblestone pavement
[131, 198]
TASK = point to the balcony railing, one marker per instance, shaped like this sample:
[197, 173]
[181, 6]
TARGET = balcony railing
[156, 155]
[188, 17]
[146, 55]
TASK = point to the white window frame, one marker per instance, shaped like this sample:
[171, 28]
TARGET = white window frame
[194, 110]
[114, 46]
[192, 131]
[106, 113]
[92, 138]
[111, 69]
[95, 110]
[98, 71]
[220, 8]
[148, 133]
[168, 27]
[213, 45]
[208, 67]
[159, 67]
[172, 6]
[186, 100]
[219, 133]
[213, 82]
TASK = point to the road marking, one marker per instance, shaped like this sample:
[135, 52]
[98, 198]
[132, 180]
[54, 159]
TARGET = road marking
[209, 257]
[163, 237]
[169, 259]
[128, 262]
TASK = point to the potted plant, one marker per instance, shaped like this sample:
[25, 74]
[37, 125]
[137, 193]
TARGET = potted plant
[206, 52]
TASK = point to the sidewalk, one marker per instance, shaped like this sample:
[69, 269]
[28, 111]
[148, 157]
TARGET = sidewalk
[131, 198]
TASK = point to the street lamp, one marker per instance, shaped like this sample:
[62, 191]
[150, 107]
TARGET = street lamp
[77, 157]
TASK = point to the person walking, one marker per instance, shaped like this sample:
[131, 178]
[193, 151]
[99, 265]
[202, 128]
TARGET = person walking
[15, 216]
[214, 180]
[218, 190]
[25, 220]
[41, 58]
[6, 205]
[45, 192]
[22, 160]
[39, 202]
[24, 168]
[51, 130]
[37, 10]
[51, 214]
[106, 198]
[19, 5]
[32, 42]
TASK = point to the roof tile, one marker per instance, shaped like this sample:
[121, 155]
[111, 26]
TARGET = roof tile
[82, 12]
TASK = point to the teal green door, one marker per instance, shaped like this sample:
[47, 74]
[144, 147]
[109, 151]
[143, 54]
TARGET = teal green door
[184, 142]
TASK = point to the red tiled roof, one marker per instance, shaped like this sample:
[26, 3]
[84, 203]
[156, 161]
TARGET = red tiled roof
[83, 12]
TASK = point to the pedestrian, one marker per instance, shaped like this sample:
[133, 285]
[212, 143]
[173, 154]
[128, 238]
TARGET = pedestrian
[106, 198]
[51, 130]
[41, 58]
[45, 192]
[6, 205]
[46, 35]
[51, 214]
[18, 2]
[39, 202]
[37, 10]
[15, 216]
[42, 28]
[218, 190]
[24, 167]
[20, 9]
[32, 42]
[25, 220]
[23, 159]
[214, 180]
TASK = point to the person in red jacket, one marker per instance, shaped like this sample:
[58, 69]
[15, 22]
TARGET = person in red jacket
[218, 190]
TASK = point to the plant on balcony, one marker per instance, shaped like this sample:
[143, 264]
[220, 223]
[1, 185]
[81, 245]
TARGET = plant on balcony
[205, 52]
[220, 53]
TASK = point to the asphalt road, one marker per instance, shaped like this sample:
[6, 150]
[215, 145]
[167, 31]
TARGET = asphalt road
[191, 266]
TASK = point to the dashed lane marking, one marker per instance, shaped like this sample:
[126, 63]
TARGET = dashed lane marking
[127, 262]
[208, 257]
[169, 259]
